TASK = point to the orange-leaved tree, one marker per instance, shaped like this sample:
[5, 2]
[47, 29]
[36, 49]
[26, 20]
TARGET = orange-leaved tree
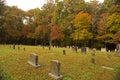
[55, 34]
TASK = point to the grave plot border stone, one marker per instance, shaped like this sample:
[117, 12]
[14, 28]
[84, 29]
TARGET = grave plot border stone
[34, 60]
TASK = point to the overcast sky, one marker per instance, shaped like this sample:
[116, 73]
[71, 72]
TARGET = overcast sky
[28, 4]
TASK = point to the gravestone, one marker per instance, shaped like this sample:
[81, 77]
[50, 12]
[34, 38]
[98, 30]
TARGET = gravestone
[10, 46]
[118, 50]
[87, 49]
[64, 53]
[74, 49]
[55, 70]
[18, 47]
[49, 47]
[24, 49]
[93, 60]
[93, 52]
[103, 49]
[14, 46]
[83, 49]
[34, 60]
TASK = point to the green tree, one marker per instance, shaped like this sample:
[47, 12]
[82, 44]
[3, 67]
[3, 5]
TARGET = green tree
[13, 23]
[2, 9]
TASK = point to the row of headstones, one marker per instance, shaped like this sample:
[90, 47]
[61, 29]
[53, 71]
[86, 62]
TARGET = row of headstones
[74, 49]
[14, 47]
[54, 67]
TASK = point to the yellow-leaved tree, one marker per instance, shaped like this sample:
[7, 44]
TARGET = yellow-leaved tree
[82, 24]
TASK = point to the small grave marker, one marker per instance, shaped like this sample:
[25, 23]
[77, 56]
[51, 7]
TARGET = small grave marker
[34, 60]
[93, 52]
[18, 47]
[83, 49]
[103, 49]
[118, 50]
[24, 49]
[49, 47]
[10, 46]
[74, 49]
[14, 46]
[55, 70]
[64, 53]
[93, 60]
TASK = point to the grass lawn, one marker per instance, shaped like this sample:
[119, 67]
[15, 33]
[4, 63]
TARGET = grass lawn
[74, 66]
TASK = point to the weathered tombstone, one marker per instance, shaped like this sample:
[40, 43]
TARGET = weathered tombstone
[14, 46]
[93, 52]
[49, 47]
[93, 60]
[74, 49]
[10, 46]
[18, 47]
[108, 50]
[103, 49]
[118, 50]
[34, 60]
[83, 49]
[43, 47]
[115, 50]
[55, 70]
[87, 49]
[64, 53]
[24, 49]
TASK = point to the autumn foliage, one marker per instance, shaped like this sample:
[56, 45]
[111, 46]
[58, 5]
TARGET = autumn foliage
[56, 33]
[82, 23]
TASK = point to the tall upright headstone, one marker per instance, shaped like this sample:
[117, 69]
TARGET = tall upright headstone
[34, 60]
[55, 70]
[118, 50]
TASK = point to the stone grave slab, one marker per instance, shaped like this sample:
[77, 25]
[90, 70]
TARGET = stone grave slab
[55, 70]
[34, 60]
[118, 50]
[103, 50]
[83, 50]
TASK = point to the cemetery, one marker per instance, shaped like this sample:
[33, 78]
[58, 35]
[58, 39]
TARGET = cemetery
[59, 39]
[37, 63]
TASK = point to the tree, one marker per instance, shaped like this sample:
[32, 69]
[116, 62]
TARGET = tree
[56, 34]
[2, 9]
[13, 23]
[113, 26]
[82, 23]
[102, 31]
[40, 33]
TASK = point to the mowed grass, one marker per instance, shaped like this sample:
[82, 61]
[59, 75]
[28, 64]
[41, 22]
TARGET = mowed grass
[74, 66]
